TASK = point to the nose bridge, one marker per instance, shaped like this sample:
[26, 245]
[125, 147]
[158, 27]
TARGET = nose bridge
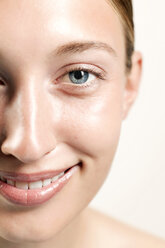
[26, 125]
[29, 114]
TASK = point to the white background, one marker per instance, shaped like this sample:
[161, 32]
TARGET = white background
[134, 191]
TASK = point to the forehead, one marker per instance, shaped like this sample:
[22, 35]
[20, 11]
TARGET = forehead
[37, 24]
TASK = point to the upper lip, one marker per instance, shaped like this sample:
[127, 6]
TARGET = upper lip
[24, 177]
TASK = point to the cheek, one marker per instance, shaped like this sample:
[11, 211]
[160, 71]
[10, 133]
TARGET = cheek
[92, 125]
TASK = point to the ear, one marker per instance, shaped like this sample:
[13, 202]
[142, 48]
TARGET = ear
[132, 83]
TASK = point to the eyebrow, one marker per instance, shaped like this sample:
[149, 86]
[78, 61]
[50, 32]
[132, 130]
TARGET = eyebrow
[79, 47]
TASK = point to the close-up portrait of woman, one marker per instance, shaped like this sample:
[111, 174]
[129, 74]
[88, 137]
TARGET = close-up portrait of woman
[69, 75]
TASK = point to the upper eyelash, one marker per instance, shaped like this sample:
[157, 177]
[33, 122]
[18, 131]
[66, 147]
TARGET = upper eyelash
[71, 86]
[100, 75]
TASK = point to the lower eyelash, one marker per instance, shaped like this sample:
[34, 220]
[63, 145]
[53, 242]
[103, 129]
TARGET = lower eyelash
[72, 86]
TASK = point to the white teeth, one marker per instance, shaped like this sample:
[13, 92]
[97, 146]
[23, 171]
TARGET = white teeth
[10, 182]
[35, 185]
[46, 182]
[32, 185]
[61, 174]
[57, 177]
[54, 179]
[21, 185]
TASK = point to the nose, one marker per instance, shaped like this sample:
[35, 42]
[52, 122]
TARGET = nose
[27, 125]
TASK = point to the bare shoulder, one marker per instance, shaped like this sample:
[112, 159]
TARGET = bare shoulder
[107, 232]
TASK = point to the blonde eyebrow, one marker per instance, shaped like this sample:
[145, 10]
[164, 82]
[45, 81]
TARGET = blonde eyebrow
[79, 47]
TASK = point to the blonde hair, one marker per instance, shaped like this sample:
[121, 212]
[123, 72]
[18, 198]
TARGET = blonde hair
[124, 9]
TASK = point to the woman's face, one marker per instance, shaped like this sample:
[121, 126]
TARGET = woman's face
[52, 117]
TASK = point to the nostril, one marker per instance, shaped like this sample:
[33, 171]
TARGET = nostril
[23, 145]
[24, 152]
[47, 153]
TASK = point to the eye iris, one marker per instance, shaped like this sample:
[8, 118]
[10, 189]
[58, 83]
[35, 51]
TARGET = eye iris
[78, 77]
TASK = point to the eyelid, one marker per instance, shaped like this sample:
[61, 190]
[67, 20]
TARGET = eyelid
[100, 75]
[98, 72]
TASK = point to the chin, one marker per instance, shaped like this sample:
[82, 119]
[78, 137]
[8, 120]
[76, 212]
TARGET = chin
[23, 235]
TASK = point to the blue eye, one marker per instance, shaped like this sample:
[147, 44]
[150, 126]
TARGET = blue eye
[78, 77]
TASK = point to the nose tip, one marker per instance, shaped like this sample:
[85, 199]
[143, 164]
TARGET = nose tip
[24, 148]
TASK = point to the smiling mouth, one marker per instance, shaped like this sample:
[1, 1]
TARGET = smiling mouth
[32, 184]
[30, 192]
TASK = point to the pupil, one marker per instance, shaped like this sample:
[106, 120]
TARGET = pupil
[78, 74]
[78, 77]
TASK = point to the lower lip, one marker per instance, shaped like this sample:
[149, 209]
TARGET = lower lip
[35, 196]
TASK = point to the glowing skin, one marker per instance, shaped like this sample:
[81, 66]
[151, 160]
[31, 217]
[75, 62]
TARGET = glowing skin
[47, 123]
